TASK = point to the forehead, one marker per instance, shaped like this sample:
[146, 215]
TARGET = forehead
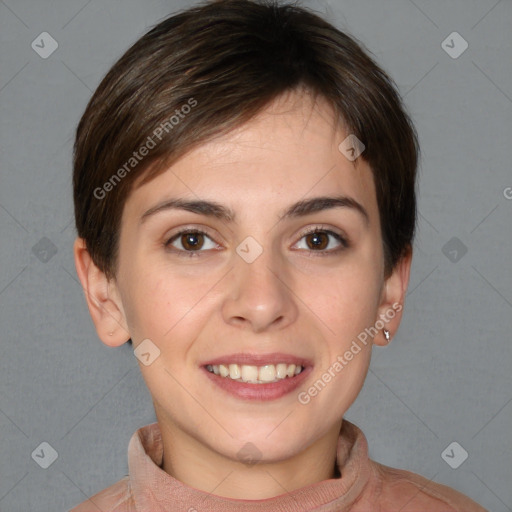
[288, 151]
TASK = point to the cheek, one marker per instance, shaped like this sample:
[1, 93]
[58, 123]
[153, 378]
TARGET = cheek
[162, 304]
[347, 306]
[348, 298]
[147, 301]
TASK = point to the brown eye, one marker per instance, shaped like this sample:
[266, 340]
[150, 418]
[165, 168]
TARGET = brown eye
[192, 241]
[317, 240]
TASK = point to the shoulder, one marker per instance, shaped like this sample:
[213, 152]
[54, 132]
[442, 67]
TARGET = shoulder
[112, 499]
[410, 492]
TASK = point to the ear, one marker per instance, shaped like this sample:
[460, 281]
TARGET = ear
[393, 298]
[102, 298]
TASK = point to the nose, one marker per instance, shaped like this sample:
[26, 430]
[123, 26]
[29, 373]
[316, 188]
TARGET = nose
[260, 297]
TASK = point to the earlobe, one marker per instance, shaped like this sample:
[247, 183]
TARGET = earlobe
[104, 304]
[393, 298]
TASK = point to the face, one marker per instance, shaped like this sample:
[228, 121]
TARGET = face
[259, 290]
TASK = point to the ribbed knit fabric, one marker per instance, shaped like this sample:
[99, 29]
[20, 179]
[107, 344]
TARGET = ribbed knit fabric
[364, 486]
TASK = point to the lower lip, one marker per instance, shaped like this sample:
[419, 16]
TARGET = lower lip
[261, 392]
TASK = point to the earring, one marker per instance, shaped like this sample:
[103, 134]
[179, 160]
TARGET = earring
[386, 334]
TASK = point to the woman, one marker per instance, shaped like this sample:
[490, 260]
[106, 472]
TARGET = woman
[244, 189]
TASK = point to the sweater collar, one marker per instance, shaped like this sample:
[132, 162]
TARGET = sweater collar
[152, 487]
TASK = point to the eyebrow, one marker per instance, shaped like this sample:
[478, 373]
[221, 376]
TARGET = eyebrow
[221, 212]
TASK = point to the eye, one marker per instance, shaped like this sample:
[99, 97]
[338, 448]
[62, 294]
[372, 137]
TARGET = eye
[318, 240]
[191, 241]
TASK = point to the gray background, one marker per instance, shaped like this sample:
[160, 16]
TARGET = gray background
[446, 375]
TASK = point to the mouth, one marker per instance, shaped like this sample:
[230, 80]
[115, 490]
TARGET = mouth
[255, 374]
[257, 377]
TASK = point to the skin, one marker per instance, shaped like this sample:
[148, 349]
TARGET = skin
[290, 299]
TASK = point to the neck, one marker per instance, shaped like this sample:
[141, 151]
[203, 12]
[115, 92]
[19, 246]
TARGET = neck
[198, 466]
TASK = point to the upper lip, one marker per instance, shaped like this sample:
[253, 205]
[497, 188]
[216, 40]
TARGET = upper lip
[258, 359]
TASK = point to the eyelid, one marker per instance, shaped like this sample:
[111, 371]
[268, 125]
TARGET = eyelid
[192, 228]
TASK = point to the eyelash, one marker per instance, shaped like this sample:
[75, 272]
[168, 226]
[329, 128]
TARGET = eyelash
[317, 229]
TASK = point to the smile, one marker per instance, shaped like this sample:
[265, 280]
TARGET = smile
[264, 374]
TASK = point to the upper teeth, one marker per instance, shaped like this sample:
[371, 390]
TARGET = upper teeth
[255, 374]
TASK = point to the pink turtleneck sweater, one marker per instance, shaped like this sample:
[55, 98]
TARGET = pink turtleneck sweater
[364, 486]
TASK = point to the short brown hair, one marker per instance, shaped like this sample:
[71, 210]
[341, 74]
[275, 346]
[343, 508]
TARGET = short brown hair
[214, 67]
